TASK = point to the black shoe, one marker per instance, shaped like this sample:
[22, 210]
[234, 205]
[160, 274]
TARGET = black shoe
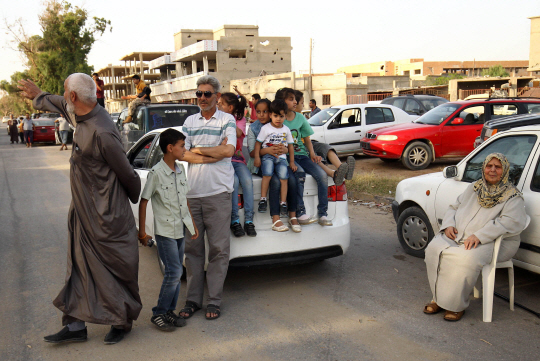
[263, 205]
[283, 209]
[340, 174]
[175, 320]
[65, 335]
[250, 229]
[115, 335]
[237, 230]
[162, 322]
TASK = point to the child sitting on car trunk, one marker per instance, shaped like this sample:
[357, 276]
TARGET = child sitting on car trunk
[167, 187]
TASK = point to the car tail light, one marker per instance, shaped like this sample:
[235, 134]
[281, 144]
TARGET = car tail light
[337, 193]
[240, 201]
[490, 133]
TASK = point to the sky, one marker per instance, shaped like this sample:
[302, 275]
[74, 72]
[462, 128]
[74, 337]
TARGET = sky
[344, 32]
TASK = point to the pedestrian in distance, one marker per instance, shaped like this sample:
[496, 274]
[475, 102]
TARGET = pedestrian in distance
[252, 104]
[21, 130]
[141, 96]
[235, 105]
[314, 108]
[167, 187]
[271, 134]
[211, 133]
[100, 89]
[274, 193]
[13, 131]
[63, 131]
[103, 256]
[28, 127]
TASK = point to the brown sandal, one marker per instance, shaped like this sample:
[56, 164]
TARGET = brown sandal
[453, 316]
[434, 308]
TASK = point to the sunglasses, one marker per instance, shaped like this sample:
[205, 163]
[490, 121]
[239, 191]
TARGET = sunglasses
[207, 94]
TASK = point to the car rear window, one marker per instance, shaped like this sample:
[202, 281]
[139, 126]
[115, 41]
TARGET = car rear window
[166, 117]
[532, 108]
[43, 123]
[432, 103]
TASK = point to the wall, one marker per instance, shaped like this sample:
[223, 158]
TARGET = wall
[187, 37]
[534, 50]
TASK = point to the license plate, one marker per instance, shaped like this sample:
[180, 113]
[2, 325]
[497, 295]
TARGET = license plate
[43, 130]
[365, 145]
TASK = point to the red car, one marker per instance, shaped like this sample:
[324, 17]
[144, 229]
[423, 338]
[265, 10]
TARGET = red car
[44, 131]
[448, 130]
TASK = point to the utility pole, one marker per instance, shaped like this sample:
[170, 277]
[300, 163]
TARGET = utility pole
[310, 73]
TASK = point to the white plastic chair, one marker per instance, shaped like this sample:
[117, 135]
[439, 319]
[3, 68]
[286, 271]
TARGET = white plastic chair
[488, 280]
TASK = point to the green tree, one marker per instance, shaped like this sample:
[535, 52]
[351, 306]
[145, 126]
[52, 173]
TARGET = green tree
[442, 80]
[63, 48]
[10, 100]
[495, 71]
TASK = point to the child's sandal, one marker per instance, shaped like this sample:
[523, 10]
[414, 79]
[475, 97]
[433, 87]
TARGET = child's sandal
[296, 228]
[282, 228]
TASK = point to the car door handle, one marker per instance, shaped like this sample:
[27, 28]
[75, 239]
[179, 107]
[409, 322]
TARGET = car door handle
[358, 131]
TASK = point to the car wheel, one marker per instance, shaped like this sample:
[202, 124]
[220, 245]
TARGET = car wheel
[389, 160]
[162, 266]
[416, 156]
[414, 231]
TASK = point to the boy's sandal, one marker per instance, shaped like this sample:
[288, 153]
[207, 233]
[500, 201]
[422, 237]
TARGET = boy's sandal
[295, 227]
[432, 308]
[212, 309]
[282, 228]
[190, 308]
[453, 316]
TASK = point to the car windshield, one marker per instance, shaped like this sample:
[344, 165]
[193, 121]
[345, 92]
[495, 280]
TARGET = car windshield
[165, 117]
[437, 115]
[43, 123]
[432, 103]
[322, 117]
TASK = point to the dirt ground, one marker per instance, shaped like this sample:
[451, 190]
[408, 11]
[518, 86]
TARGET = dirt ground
[366, 164]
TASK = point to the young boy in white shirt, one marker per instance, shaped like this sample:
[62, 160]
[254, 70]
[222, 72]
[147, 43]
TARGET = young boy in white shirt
[271, 134]
[167, 187]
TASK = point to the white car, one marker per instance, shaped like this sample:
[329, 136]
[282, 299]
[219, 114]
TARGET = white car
[421, 202]
[343, 126]
[315, 242]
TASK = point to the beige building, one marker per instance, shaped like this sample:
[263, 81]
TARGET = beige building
[534, 50]
[228, 53]
[418, 68]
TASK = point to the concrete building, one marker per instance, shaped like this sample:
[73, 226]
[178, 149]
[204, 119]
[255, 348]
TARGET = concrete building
[417, 68]
[117, 78]
[534, 50]
[228, 53]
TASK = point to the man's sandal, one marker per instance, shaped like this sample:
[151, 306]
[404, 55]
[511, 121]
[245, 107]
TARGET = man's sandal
[190, 308]
[295, 227]
[453, 316]
[212, 309]
[282, 228]
[432, 308]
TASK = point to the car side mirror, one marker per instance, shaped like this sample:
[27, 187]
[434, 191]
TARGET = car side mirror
[457, 121]
[450, 171]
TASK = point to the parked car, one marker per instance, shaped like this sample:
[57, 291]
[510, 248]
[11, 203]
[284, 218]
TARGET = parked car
[446, 131]
[498, 125]
[415, 104]
[152, 116]
[421, 202]
[44, 131]
[343, 126]
[315, 242]
[5, 119]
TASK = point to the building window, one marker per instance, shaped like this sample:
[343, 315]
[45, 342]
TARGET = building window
[326, 99]
[236, 54]
[417, 71]
[406, 73]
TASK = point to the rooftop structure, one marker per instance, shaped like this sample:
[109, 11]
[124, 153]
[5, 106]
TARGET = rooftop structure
[417, 67]
[229, 52]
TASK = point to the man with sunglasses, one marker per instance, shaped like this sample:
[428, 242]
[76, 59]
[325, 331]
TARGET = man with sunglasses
[211, 133]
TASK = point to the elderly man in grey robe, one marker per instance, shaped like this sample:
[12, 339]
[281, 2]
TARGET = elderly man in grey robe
[487, 209]
[103, 260]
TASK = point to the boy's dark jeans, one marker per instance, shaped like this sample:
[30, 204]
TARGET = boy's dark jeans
[320, 177]
[171, 252]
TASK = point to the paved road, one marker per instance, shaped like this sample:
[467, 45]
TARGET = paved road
[365, 305]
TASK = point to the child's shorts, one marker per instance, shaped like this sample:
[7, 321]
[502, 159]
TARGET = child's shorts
[271, 165]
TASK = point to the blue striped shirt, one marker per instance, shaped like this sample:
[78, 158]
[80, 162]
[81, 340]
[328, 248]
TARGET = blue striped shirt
[214, 178]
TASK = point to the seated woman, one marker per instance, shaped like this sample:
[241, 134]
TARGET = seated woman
[489, 208]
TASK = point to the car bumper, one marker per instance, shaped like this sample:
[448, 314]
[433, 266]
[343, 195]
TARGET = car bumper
[382, 150]
[395, 210]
